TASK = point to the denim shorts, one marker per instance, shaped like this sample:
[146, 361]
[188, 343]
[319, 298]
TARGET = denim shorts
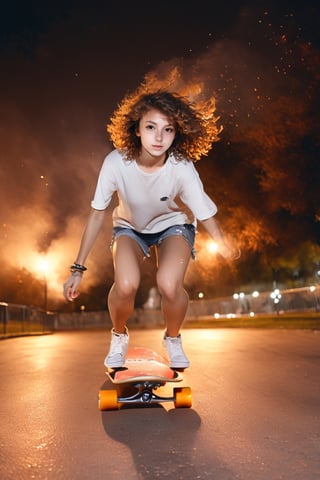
[147, 240]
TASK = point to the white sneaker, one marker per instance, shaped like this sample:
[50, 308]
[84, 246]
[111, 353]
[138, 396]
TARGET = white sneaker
[118, 349]
[176, 356]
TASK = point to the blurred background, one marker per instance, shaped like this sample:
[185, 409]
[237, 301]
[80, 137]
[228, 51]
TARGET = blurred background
[65, 66]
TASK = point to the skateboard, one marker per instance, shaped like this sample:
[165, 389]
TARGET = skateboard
[144, 372]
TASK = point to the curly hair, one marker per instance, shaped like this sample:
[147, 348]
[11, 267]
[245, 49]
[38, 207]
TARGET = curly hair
[195, 125]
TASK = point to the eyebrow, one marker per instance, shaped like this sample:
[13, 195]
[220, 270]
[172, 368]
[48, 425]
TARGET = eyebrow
[155, 123]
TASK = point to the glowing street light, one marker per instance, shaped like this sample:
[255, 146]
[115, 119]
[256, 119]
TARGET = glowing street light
[44, 268]
[276, 295]
[313, 290]
[43, 265]
[212, 246]
[238, 296]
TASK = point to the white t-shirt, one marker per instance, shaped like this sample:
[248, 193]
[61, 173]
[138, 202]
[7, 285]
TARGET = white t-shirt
[149, 202]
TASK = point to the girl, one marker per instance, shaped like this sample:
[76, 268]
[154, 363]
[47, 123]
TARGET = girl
[157, 138]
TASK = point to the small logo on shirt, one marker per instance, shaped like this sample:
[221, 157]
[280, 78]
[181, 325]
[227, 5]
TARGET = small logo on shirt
[164, 199]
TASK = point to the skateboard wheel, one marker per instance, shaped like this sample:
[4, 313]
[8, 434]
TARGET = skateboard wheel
[108, 400]
[182, 397]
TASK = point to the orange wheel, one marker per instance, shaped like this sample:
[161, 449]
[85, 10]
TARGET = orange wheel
[108, 400]
[182, 397]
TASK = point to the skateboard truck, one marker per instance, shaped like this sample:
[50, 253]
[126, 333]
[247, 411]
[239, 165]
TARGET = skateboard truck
[145, 394]
[136, 383]
[109, 399]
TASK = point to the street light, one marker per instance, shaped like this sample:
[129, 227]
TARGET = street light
[44, 267]
[276, 297]
[212, 246]
[313, 290]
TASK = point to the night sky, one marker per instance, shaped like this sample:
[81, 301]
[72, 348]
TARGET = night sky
[66, 65]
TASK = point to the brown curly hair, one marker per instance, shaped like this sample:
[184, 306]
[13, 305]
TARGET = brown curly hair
[195, 125]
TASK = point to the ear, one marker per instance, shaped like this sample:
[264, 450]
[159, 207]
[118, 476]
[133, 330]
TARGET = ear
[138, 133]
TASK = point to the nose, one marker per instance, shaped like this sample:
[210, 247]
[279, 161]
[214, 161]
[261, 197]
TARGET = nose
[158, 134]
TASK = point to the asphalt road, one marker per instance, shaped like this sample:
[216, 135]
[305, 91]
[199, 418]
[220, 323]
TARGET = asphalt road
[255, 413]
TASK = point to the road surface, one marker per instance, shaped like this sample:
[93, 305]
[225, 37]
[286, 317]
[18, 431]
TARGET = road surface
[255, 413]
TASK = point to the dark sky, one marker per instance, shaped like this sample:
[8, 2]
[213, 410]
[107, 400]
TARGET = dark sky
[88, 54]
[66, 65]
[84, 56]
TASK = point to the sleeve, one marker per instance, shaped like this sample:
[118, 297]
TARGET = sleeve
[193, 195]
[106, 185]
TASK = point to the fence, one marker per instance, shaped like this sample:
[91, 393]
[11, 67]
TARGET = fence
[23, 319]
[305, 299]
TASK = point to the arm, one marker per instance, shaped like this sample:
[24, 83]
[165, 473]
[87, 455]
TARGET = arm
[227, 250]
[90, 234]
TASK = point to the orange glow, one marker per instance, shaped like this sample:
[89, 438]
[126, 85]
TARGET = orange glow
[212, 247]
[40, 265]
[20, 247]
[44, 265]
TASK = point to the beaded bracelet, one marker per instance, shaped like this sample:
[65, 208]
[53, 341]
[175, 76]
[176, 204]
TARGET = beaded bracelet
[76, 267]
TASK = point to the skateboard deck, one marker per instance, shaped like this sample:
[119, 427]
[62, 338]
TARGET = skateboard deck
[144, 372]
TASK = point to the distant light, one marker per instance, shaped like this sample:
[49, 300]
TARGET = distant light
[255, 294]
[217, 315]
[212, 246]
[236, 296]
[312, 288]
[200, 295]
[251, 314]
[276, 295]
[43, 265]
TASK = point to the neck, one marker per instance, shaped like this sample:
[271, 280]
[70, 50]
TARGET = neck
[149, 163]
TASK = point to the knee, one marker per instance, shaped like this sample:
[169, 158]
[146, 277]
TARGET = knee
[168, 288]
[125, 289]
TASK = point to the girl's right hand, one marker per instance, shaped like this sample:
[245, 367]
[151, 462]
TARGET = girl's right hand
[228, 251]
[70, 287]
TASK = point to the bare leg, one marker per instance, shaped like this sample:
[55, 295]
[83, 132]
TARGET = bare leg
[173, 259]
[127, 260]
